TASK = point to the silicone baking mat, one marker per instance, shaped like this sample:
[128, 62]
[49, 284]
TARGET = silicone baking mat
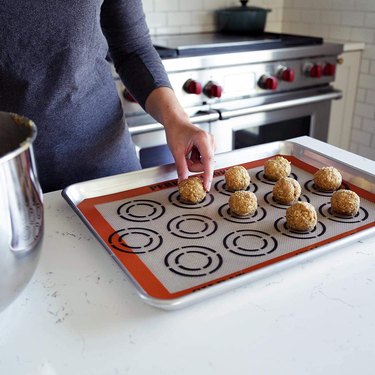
[172, 249]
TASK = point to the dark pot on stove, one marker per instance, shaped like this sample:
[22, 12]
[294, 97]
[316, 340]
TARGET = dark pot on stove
[243, 20]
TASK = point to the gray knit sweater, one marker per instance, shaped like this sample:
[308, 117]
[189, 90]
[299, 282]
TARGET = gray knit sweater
[53, 69]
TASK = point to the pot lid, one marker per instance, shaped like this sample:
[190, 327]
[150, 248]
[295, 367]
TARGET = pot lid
[244, 8]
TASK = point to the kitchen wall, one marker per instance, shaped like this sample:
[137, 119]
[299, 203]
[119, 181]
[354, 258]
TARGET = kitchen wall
[344, 20]
[340, 20]
[185, 16]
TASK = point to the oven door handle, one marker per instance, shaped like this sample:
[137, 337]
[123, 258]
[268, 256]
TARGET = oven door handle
[198, 118]
[226, 114]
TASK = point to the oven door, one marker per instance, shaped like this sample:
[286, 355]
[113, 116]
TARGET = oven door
[250, 122]
[150, 140]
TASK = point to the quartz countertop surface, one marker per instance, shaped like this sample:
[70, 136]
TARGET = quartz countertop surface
[81, 315]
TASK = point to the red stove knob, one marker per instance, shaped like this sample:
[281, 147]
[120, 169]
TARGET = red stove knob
[192, 87]
[286, 74]
[315, 71]
[129, 97]
[329, 69]
[213, 90]
[267, 82]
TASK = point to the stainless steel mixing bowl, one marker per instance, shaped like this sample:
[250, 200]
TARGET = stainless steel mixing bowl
[21, 206]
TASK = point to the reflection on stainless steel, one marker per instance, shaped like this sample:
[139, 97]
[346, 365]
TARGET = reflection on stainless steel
[21, 206]
[243, 90]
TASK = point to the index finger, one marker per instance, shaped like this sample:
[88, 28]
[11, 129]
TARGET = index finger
[207, 159]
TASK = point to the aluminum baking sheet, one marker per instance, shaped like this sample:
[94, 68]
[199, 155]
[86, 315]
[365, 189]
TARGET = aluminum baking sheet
[177, 253]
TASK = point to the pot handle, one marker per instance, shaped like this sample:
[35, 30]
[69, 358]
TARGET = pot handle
[244, 2]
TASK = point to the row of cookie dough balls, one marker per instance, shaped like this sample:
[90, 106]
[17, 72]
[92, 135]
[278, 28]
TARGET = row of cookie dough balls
[237, 180]
[301, 215]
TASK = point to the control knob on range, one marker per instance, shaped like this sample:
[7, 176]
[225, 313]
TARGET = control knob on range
[129, 97]
[286, 74]
[313, 70]
[329, 69]
[267, 82]
[192, 86]
[212, 90]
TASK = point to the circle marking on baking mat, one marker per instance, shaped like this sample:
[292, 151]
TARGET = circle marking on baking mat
[141, 210]
[259, 214]
[220, 187]
[193, 261]
[192, 226]
[250, 243]
[268, 197]
[175, 199]
[310, 186]
[135, 240]
[326, 210]
[281, 226]
[260, 176]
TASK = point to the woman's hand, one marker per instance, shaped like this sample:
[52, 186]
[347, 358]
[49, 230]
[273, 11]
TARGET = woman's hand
[192, 148]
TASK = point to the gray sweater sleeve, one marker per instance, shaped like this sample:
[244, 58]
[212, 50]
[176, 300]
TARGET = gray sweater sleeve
[130, 47]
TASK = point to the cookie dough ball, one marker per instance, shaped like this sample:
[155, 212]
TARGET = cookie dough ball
[237, 178]
[191, 190]
[345, 202]
[301, 216]
[276, 168]
[243, 203]
[327, 179]
[286, 190]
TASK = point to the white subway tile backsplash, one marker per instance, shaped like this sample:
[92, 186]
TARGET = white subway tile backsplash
[292, 15]
[148, 5]
[342, 20]
[367, 152]
[369, 125]
[191, 5]
[179, 18]
[166, 5]
[330, 17]
[365, 66]
[365, 5]
[370, 19]
[353, 147]
[362, 35]
[361, 95]
[370, 96]
[321, 4]
[310, 16]
[340, 33]
[365, 110]
[344, 4]
[369, 52]
[202, 18]
[214, 4]
[156, 19]
[361, 137]
[318, 30]
[366, 81]
[357, 122]
[350, 18]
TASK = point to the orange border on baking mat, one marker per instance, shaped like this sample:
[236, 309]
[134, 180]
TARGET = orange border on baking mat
[143, 275]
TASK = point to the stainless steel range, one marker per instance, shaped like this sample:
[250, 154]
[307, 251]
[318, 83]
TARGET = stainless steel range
[244, 90]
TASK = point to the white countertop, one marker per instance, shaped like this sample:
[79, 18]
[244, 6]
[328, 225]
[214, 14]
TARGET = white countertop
[81, 315]
[349, 46]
